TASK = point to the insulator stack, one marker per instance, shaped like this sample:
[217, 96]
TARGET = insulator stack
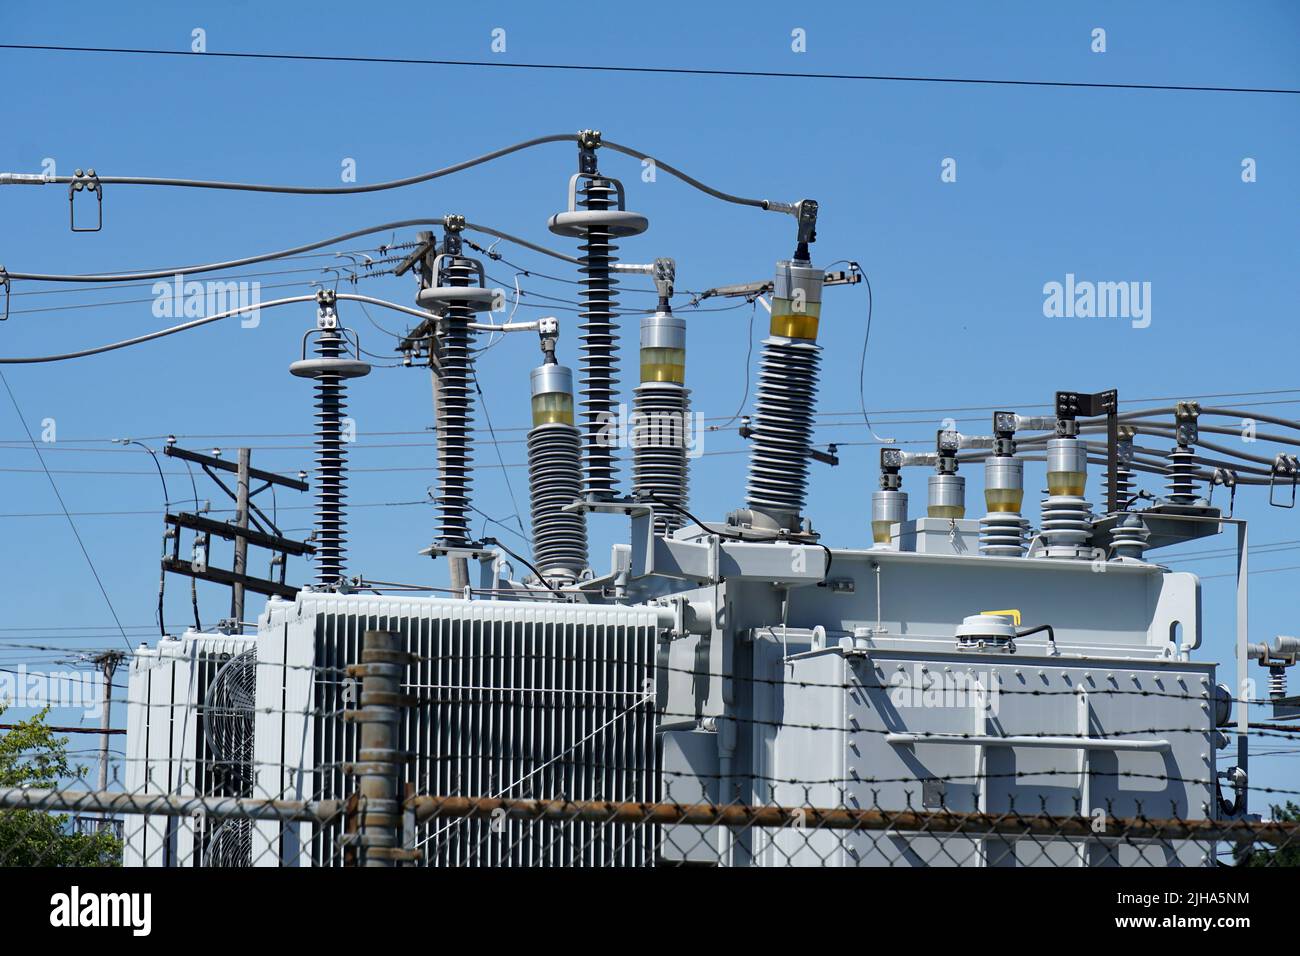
[454, 293]
[455, 409]
[1128, 539]
[599, 345]
[331, 464]
[1066, 515]
[555, 478]
[1003, 534]
[786, 399]
[1182, 476]
[1003, 529]
[330, 369]
[1125, 482]
[596, 216]
[1277, 682]
[660, 428]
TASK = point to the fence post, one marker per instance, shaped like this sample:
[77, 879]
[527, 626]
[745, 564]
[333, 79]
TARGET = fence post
[379, 763]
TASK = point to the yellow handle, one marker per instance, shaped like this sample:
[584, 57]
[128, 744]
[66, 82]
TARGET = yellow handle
[1010, 612]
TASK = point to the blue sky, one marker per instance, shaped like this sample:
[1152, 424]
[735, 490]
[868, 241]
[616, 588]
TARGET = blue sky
[1108, 185]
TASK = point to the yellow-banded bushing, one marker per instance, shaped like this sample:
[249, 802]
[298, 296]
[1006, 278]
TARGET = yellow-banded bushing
[796, 300]
[663, 348]
[552, 391]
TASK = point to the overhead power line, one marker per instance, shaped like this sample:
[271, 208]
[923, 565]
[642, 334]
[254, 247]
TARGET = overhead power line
[63, 506]
[650, 70]
[331, 256]
[428, 431]
[219, 266]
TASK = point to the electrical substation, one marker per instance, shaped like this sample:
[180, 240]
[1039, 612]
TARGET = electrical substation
[987, 657]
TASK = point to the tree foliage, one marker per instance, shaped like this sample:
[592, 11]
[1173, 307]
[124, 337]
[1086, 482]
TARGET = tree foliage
[1280, 856]
[33, 756]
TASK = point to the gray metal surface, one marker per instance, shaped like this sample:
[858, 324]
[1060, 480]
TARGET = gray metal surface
[972, 723]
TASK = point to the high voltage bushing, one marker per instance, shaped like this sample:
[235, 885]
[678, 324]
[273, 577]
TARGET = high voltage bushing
[888, 508]
[946, 496]
[659, 431]
[1181, 470]
[1003, 529]
[331, 369]
[456, 297]
[889, 504]
[1277, 657]
[786, 400]
[555, 476]
[596, 214]
[1066, 515]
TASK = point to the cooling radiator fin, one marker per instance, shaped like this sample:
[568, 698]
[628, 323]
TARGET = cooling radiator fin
[528, 700]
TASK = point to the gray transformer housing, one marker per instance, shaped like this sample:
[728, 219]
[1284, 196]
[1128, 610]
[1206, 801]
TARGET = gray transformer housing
[855, 693]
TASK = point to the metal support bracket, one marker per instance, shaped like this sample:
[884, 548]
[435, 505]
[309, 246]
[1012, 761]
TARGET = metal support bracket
[88, 181]
[1284, 466]
[1071, 405]
[828, 457]
[1228, 478]
[486, 557]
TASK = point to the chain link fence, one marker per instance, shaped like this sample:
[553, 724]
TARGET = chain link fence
[498, 831]
[201, 789]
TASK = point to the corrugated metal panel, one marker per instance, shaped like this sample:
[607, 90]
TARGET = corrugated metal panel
[166, 750]
[516, 699]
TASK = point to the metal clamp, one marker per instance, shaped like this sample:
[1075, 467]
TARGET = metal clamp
[805, 211]
[588, 143]
[1284, 465]
[1186, 431]
[89, 181]
[1228, 478]
[5, 284]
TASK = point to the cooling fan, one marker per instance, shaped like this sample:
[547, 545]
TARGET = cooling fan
[231, 845]
[228, 723]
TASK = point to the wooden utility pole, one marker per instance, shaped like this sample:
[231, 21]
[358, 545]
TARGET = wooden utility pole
[107, 663]
[241, 542]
